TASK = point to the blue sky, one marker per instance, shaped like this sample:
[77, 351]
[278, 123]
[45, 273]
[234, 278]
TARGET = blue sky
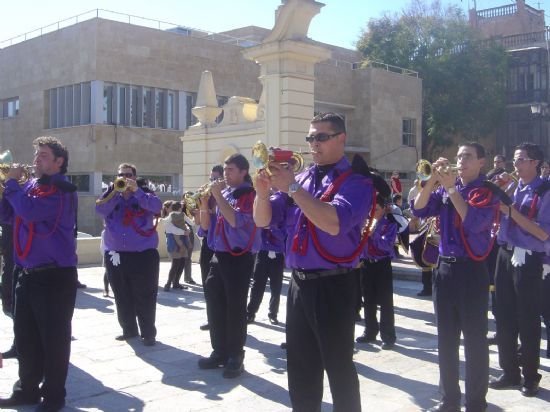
[339, 23]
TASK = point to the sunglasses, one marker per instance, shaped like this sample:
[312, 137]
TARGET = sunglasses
[320, 137]
[128, 175]
[520, 160]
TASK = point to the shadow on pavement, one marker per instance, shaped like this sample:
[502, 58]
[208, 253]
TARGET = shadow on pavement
[85, 392]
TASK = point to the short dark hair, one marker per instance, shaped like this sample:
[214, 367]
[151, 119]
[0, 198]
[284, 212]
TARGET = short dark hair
[240, 161]
[480, 150]
[396, 197]
[176, 206]
[337, 122]
[501, 157]
[58, 150]
[128, 166]
[533, 152]
[381, 201]
[218, 169]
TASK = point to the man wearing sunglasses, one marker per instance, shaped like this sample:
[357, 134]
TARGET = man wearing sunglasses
[324, 209]
[523, 238]
[131, 256]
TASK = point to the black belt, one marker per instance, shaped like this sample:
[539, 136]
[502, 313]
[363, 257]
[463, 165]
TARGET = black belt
[30, 271]
[321, 273]
[382, 259]
[454, 259]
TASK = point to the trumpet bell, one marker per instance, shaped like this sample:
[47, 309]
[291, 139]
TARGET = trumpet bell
[6, 161]
[6, 157]
[120, 184]
[261, 156]
[424, 169]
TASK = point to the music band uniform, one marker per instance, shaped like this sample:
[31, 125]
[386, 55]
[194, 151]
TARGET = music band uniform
[377, 282]
[132, 259]
[43, 212]
[460, 293]
[518, 288]
[228, 279]
[321, 299]
[268, 264]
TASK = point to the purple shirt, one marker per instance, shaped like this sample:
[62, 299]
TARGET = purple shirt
[353, 202]
[273, 239]
[381, 241]
[54, 219]
[477, 226]
[129, 225]
[244, 234]
[510, 233]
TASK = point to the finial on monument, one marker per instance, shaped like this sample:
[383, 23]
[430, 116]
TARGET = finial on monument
[292, 20]
[206, 109]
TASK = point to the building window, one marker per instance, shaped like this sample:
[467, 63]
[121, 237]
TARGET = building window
[147, 107]
[160, 108]
[191, 100]
[122, 93]
[9, 107]
[170, 110]
[107, 109]
[81, 181]
[134, 106]
[68, 105]
[409, 132]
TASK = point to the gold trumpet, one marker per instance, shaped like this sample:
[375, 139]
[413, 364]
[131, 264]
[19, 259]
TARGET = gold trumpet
[424, 169]
[6, 163]
[191, 199]
[120, 184]
[261, 156]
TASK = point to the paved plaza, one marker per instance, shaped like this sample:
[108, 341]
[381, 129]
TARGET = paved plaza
[108, 375]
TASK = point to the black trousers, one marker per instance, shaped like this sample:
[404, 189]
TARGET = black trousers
[427, 276]
[43, 313]
[135, 286]
[320, 329]
[377, 288]
[176, 269]
[226, 291]
[204, 259]
[8, 285]
[518, 308]
[264, 268]
[461, 301]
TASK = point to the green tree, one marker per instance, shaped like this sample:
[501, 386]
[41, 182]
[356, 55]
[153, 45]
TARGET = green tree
[463, 77]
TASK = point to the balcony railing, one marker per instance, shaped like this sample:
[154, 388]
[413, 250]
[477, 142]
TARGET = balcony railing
[497, 12]
[129, 19]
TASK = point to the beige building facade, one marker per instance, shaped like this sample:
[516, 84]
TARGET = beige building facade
[117, 92]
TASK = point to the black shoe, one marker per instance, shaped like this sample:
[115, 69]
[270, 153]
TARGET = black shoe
[167, 288]
[204, 326]
[149, 342]
[530, 389]
[180, 286]
[283, 345]
[504, 382]
[234, 367]
[190, 282]
[80, 285]
[424, 293]
[126, 337]
[214, 361]
[387, 346]
[273, 319]
[444, 407]
[364, 338]
[18, 398]
[46, 406]
[492, 340]
[11, 353]
[250, 317]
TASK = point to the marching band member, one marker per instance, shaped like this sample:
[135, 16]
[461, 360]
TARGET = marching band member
[234, 239]
[131, 255]
[44, 214]
[206, 253]
[377, 277]
[269, 263]
[523, 239]
[467, 214]
[324, 210]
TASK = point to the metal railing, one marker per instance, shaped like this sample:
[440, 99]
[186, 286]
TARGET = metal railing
[497, 11]
[369, 63]
[129, 19]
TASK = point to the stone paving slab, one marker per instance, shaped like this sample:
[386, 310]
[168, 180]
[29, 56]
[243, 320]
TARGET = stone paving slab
[107, 375]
